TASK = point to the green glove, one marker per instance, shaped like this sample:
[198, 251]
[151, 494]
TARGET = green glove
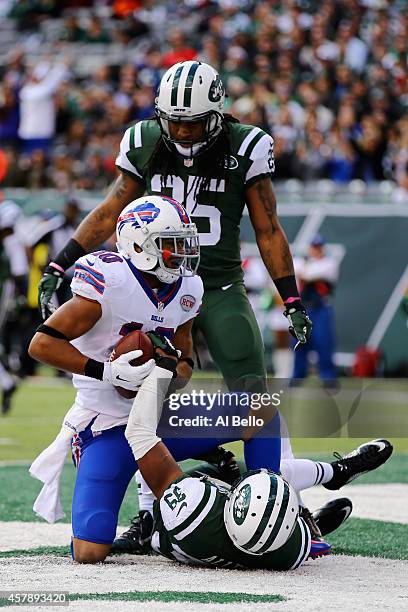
[300, 325]
[163, 343]
[48, 285]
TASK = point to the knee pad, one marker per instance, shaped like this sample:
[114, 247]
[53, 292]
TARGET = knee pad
[97, 526]
[251, 383]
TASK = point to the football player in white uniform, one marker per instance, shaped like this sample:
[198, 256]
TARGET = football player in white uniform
[150, 284]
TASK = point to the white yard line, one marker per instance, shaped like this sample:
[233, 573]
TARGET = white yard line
[381, 502]
[332, 583]
[16, 535]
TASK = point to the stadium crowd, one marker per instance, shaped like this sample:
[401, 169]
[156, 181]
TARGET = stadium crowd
[327, 79]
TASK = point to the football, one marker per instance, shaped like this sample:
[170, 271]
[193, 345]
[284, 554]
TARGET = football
[135, 340]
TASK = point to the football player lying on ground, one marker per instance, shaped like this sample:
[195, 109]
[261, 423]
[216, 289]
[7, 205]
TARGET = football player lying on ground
[254, 524]
[302, 474]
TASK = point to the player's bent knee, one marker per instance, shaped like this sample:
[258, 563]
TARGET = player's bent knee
[89, 552]
[96, 526]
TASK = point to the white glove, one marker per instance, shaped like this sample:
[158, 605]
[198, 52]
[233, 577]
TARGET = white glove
[121, 374]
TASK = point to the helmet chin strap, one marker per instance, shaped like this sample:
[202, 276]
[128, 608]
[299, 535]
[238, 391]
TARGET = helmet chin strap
[163, 275]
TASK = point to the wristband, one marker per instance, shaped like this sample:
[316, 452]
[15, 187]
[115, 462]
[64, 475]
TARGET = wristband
[94, 369]
[188, 361]
[54, 265]
[69, 254]
[287, 288]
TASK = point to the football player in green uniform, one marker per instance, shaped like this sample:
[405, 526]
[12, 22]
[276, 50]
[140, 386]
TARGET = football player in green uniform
[254, 524]
[213, 165]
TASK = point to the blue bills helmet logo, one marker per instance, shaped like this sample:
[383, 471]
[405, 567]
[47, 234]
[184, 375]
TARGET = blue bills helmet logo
[146, 212]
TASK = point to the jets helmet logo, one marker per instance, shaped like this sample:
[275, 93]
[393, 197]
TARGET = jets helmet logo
[216, 90]
[146, 212]
[241, 504]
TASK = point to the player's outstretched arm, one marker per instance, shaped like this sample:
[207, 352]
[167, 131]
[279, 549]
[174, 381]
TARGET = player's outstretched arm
[97, 226]
[274, 249]
[154, 460]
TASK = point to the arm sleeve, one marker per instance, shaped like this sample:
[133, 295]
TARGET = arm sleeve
[146, 412]
[263, 160]
[122, 160]
[89, 278]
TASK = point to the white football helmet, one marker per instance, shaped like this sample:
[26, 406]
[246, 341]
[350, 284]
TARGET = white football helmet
[261, 512]
[156, 234]
[191, 91]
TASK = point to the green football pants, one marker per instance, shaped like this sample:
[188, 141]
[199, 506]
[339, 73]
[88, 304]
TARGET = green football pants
[234, 340]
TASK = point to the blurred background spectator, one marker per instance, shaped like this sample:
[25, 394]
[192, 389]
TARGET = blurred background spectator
[13, 277]
[327, 79]
[317, 274]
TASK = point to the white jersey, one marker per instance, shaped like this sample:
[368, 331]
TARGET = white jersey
[128, 303]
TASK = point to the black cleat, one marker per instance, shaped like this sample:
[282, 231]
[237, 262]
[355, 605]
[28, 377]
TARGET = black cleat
[136, 540]
[308, 517]
[367, 457]
[329, 517]
[7, 397]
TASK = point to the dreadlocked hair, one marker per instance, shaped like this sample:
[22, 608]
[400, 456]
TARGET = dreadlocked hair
[213, 162]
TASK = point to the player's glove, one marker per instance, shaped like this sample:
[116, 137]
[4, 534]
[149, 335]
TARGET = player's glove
[50, 282]
[163, 343]
[300, 326]
[122, 374]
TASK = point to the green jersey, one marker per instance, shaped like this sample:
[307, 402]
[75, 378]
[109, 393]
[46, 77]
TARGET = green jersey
[189, 527]
[216, 212]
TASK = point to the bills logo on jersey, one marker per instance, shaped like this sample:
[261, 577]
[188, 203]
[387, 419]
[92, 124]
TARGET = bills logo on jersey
[187, 302]
[146, 212]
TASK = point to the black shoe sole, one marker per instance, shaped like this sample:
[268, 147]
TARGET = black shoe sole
[333, 514]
